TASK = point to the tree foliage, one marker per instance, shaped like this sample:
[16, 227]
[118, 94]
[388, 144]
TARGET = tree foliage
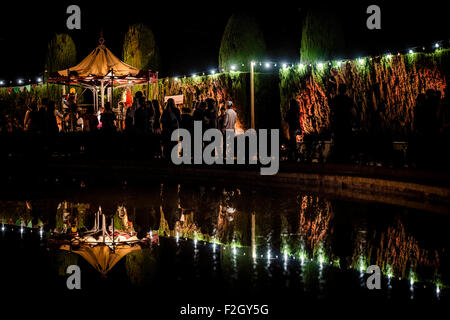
[139, 48]
[322, 35]
[61, 53]
[242, 41]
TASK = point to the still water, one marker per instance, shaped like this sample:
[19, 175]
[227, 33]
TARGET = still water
[212, 243]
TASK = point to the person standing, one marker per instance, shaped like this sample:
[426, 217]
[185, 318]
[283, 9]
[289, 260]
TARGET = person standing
[343, 113]
[293, 120]
[229, 121]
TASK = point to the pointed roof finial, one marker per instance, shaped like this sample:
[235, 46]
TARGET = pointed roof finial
[101, 40]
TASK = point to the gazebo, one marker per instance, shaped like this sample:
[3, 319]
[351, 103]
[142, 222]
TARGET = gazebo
[102, 69]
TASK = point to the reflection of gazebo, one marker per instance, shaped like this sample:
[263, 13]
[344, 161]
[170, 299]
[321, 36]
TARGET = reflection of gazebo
[100, 69]
[101, 257]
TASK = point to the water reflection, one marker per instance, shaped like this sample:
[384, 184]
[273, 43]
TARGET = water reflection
[244, 231]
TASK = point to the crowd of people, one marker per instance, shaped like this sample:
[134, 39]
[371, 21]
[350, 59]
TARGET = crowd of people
[431, 124]
[143, 117]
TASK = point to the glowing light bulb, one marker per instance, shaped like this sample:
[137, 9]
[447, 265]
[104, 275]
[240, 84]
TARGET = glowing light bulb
[284, 65]
[436, 45]
[410, 51]
[339, 63]
[176, 78]
[213, 71]
[194, 75]
[233, 68]
[320, 65]
[267, 65]
[389, 56]
[301, 65]
[39, 79]
[361, 61]
[437, 289]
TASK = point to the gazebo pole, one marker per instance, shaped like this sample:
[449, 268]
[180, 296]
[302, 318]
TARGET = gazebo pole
[252, 95]
[148, 85]
[102, 93]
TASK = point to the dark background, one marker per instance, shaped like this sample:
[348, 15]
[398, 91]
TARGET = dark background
[188, 35]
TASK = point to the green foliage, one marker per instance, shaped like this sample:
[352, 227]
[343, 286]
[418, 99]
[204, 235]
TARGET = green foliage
[242, 41]
[61, 53]
[141, 266]
[139, 48]
[322, 35]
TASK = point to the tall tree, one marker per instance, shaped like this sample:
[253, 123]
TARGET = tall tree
[139, 48]
[61, 53]
[242, 41]
[322, 35]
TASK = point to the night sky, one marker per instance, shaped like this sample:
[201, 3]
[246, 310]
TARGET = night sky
[189, 36]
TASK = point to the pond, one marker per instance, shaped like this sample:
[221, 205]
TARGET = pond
[216, 243]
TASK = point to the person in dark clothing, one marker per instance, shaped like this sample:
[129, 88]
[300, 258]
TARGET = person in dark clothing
[293, 120]
[90, 121]
[210, 115]
[187, 120]
[107, 119]
[157, 117]
[198, 111]
[169, 122]
[150, 115]
[140, 117]
[51, 123]
[343, 113]
[221, 119]
[32, 119]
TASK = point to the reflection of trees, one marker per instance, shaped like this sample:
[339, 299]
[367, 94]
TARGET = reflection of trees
[315, 217]
[399, 251]
[141, 266]
[15, 212]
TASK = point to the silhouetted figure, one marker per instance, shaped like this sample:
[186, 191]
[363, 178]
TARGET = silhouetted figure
[32, 119]
[157, 117]
[187, 120]
[292, 118]
[221, 119]
[90, 120]
[444, 115]
[51, 123]
[140, 117]
[169, 122]
[107, 119]
[210, 114]
[343, 113]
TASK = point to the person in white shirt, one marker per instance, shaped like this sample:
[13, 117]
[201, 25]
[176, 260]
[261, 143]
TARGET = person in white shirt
[229, 120]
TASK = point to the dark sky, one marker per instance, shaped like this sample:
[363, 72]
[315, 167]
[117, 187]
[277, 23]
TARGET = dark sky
[189, 35]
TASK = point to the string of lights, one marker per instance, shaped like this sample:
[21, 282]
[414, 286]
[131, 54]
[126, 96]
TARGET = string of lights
[270, 65]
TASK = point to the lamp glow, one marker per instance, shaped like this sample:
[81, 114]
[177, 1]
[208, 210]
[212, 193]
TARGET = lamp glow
[361, 61]
[436, 45]
[284, 65]
[410, 51]
[320, 65]
[233, 67]
[213, 71]
[267, 65]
